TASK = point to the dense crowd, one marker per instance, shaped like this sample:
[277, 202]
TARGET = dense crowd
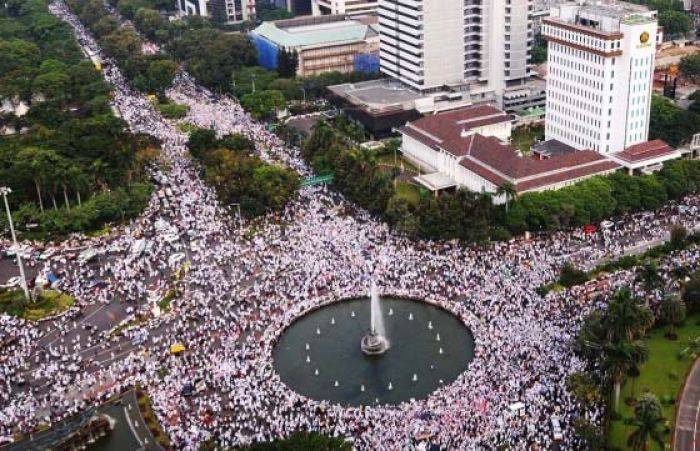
[241, 290]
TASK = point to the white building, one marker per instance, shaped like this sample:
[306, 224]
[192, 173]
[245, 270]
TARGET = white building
[230, 11]
[428, 44]
[467, 148]
[600, 74]
[348, 7]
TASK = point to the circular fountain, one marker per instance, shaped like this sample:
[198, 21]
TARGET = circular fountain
[398, 358]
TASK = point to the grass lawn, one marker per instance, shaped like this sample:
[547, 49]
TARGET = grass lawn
[663, 374]
[49, 303]
[523, 137]
[409, 192]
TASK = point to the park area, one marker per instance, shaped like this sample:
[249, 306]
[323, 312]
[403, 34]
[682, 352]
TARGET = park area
[663, 375]
[48, 303]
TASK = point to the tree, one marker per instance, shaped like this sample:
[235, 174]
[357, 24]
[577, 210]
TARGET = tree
[507, 189]
[675, 23]
[304, 441]
[691, 292]
[648, 423]
[263, 104]
[670, 123]
[584, 388]
[690, 67]
[276, 185]
[571, 276]
[626, 318]
[650, 277]
[678, 236]
[161, 73]
[620, 358]
[287, 63]
[672, 310]
[200, 140]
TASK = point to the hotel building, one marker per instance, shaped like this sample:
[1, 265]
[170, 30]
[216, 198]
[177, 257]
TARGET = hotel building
[600, 73]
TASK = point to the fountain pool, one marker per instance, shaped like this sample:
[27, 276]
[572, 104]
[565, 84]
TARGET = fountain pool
[334, 368]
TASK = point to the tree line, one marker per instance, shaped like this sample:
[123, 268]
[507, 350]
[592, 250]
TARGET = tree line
[146, 73]
[71, 165]
[239, 176]
[471, 216]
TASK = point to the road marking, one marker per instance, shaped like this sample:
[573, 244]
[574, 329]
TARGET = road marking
[131, 426]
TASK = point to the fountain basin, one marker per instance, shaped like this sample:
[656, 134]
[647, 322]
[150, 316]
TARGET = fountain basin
[365, 378]
[374, 344]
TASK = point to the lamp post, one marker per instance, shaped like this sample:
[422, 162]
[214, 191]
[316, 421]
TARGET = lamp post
[238, 206]
[5, 191]
[304, 93]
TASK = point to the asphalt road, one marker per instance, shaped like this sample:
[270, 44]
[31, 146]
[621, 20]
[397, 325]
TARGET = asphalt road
[687, 431]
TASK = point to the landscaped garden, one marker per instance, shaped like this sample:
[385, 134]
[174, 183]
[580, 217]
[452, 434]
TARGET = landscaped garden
[663, 375]
[48, 303]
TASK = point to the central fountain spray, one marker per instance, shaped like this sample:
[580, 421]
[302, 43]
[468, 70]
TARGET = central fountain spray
[375, 342]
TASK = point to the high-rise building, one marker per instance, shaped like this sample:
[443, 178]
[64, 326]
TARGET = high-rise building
[228, 11]
[429, 44]
[347, 7]
[600, 74]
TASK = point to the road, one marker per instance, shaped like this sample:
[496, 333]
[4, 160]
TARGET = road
[687, 430]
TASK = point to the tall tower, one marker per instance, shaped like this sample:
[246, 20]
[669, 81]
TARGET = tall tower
[428, 44]
[600, 74]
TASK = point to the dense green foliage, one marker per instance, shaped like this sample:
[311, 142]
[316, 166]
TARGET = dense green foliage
[146, 73]
[266, 11]
[598, 198]
[304, 441]
[671, 123]
[239, 176]
[48, 303]
[287, 63]
[208, 54]
[690, 66]
[470, 216]
[672, 17]
[539, 50]
[357, 174]
[172, 110]
[313, 87]
[74, 167]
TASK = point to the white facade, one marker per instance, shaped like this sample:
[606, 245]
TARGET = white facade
[233, 10]
[348, 7]
[600, 74]
[431, 43]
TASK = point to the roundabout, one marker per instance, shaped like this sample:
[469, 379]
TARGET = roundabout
[332, 353]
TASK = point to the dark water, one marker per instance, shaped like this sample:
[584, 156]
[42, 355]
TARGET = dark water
[337, 356]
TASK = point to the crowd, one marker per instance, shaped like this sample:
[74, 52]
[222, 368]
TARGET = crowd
[241, 290]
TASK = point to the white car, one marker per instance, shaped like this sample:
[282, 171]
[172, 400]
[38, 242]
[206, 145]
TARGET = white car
[12, 282]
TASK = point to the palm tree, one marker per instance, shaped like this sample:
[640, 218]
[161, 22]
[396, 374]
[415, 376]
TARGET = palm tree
[650, 277]
[672, 311]
[626, 318]
[508, 190]
[620, 357]
[648, 421]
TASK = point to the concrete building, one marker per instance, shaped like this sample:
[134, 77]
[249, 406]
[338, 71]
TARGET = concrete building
[429, 44]
[348, 7]
[600, 74]
[228, 11]
[467, 148]
[322, 44]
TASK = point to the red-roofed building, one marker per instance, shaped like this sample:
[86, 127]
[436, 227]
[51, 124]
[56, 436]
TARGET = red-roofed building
[645, 157]
[467, 148]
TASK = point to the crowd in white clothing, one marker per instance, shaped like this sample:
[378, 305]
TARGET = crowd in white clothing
[239, 293]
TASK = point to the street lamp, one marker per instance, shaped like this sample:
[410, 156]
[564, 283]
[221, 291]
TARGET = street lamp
[5, 191]
[238, 206]
[304, 92]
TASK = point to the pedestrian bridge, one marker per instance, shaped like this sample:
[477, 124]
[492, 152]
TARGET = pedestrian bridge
[318, 180]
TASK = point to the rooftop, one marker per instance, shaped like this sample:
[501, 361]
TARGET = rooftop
[311, 31]
[491, 159]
